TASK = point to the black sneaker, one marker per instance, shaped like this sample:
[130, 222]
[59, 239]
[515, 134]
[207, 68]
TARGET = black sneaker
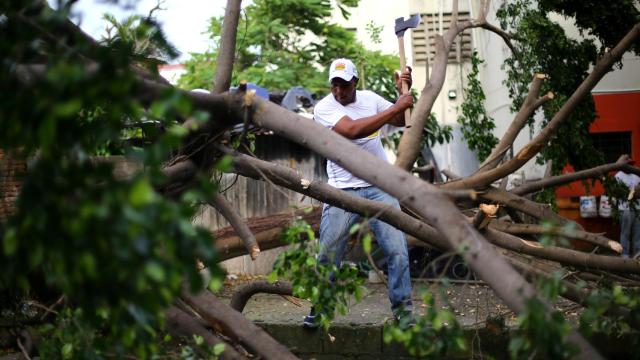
[311, 322]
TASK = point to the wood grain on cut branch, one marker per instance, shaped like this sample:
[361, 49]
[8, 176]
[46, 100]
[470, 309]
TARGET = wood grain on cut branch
[418, 196]
[179, 323]
[226, 52]
[534, 229]
[531, 103]
[235, 326]
[596, 172]
[220, 203]
[245, 292]
[482, 179]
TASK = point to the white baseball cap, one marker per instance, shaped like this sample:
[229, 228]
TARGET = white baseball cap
[342, 68]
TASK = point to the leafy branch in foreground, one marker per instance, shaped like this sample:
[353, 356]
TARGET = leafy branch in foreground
[328, 287]
[435, 335]
[539, 335]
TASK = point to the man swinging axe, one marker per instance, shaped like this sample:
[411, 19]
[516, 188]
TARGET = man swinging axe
[358, 116]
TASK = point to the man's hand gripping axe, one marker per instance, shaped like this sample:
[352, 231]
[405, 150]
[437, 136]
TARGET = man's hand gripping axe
[401, 26]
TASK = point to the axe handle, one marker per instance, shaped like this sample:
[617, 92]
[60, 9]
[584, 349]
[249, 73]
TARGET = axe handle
[405, 88]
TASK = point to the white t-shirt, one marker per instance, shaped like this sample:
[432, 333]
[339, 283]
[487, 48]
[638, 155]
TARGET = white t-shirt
[328, 112]
[631, 181]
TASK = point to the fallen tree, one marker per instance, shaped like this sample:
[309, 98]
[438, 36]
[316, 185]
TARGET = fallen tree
[435, 219]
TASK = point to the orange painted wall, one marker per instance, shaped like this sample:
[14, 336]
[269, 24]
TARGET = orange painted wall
[616, 112]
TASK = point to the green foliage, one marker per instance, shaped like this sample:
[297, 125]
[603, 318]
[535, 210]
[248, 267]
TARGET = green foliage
[477, 126]
[595, 320]
[116, 248]
[436, 335]
[548, 238]
[143, 37]
[328, 287]
[539, 334]
[274, 50]
[609, 22]
[543, 47]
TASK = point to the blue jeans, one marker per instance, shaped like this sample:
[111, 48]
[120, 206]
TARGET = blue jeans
[629, 232]
[334, 235]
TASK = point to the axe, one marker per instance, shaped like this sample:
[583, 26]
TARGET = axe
[401, 26]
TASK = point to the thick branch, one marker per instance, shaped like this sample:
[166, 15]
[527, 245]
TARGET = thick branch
[224, 65]
[603, 66]
[237, 327]
[595, 172]
[220, 203]
[563, 256]
[229, 245]
[244, 293]
[284, 176]
[529, 106]
[538, 211]
[179, 323]
[534, 229]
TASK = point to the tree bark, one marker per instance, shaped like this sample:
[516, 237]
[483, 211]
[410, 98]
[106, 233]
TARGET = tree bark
[534, 229]
[237, 327]
[244, 293]
[596, 172]
[529, 106]
[220, 203]
[179, 323]
[226, 52]
[229, 245]
[538, 211]
[563, 256]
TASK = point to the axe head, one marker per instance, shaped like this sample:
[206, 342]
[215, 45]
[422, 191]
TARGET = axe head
[402, 25]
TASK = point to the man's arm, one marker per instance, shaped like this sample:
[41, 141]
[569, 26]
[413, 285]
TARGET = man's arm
[359, 128]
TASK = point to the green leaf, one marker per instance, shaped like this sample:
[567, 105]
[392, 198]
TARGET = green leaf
[10, 242]
[141, 193]
[155, 271]
[366, 244]
[224, 164]
[218, 349]
[67, 351]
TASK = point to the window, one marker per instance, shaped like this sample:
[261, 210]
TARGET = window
[612, 144]
[424, 46]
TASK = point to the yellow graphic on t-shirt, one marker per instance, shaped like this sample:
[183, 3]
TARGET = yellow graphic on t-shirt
[373, 135]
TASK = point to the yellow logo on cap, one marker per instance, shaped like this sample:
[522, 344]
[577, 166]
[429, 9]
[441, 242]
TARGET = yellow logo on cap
[340, 66]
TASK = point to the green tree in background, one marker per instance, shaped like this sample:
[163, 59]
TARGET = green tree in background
[544, 47]
[477, 127]
[286, 43]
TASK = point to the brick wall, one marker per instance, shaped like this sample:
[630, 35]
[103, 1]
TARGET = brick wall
[10, 170]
